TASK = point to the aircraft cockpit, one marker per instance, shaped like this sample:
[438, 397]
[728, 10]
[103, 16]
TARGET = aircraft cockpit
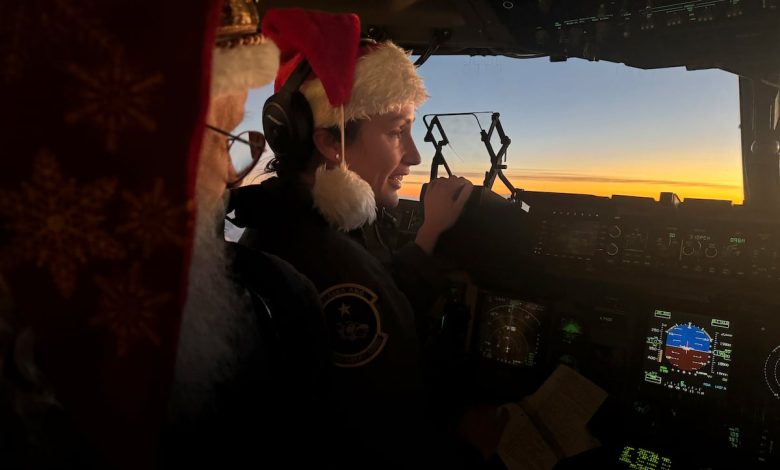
[667, 303]
[611, 287]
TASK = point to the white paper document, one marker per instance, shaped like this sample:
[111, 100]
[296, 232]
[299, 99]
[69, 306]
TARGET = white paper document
[550, 424]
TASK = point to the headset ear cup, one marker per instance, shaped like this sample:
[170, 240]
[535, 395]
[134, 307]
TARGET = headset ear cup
[302, 125]
[288, 124]
[276, 123]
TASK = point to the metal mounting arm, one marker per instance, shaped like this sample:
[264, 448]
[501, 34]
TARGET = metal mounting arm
[440, 36]
[438, 157]
[496, 159]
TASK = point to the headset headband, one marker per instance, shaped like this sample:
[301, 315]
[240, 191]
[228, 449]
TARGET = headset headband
[296, 79]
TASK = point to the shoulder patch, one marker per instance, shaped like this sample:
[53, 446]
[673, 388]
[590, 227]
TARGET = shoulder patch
[353, 322]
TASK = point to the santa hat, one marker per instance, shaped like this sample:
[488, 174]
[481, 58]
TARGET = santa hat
[349, 81]
[243, 58]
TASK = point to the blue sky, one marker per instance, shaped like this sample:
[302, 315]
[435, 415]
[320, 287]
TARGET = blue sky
[578, 126]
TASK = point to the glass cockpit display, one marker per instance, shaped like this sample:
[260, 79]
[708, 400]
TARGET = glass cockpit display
[772, 372]
[510, 330]
[644, 459]
[575, 237]
[688, 353]
[770, 362]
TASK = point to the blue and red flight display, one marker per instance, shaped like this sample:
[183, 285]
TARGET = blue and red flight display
[688, 352]
[688, 347]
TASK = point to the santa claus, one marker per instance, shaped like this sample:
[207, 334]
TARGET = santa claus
[252, 362]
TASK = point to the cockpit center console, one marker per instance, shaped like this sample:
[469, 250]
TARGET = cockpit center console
[671, 307]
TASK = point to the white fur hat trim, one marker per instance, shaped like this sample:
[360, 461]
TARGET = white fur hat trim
[385, 80]
[243, 67]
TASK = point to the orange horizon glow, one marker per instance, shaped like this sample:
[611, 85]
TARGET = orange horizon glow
[724, 189]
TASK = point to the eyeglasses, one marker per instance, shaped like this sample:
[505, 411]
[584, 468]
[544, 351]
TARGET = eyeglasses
[243, 158]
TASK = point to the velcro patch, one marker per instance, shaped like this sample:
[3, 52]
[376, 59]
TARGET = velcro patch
[354, 326]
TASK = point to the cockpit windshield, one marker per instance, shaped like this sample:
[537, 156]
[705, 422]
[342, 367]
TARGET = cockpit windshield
[584, 127]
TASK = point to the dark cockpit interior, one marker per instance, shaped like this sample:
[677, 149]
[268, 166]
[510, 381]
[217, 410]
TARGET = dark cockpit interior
[738, 36]
[671, 306]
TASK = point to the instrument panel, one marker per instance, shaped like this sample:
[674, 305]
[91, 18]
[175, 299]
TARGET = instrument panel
[672, 308]
[680, 373]
[692, 240]
[623, 234]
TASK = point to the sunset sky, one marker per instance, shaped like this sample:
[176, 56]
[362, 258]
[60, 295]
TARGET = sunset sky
[582, 127]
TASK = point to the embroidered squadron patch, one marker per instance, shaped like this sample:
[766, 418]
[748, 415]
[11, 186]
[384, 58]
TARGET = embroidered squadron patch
[353, 324]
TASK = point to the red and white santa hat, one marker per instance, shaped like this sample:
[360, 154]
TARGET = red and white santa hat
[243, 58]
[350, 80]
[368, 80]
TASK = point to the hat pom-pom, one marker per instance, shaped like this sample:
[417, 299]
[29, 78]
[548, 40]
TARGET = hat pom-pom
[343, 198]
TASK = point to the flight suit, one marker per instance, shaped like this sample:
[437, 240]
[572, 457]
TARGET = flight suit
[378, 395]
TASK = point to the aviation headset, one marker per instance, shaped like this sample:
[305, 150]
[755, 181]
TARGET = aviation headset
[287, 118]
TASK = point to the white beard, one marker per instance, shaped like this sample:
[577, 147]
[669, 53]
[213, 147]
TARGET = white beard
[214, 316]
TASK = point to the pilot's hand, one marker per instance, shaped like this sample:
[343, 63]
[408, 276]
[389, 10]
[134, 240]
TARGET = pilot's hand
[444, 201]
[481, 427]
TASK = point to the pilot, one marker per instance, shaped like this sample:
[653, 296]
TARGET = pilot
[241, 387]
[340, 127]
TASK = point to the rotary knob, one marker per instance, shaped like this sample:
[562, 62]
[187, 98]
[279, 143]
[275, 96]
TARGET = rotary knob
[688, 250]
[711, 252]
[614, 231]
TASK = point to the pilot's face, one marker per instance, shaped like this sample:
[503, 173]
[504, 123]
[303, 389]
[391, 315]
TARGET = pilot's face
[383, 153]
